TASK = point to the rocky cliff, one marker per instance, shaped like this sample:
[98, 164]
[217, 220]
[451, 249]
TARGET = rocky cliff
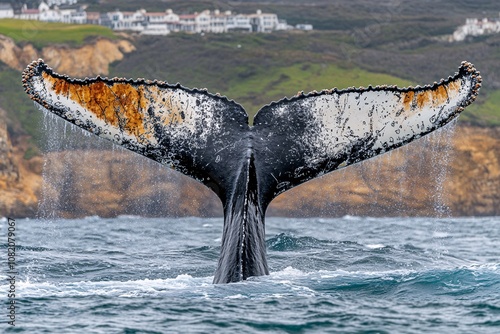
[20, 180]
[88, 60]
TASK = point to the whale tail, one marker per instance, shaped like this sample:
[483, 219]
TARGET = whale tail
[208, 138]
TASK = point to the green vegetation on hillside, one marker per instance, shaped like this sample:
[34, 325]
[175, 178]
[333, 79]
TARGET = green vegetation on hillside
[43, 33]
[486, 111]
[264, 86]
[22, 116]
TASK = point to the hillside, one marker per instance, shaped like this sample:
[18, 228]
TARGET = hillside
[429, 16]
[404, 48]
[256, 69]
[41, 34]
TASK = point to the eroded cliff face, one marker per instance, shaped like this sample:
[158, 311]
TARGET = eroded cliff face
[474, 183]
[455, 173]
[15, 56]
[20, 180]
[88, 60]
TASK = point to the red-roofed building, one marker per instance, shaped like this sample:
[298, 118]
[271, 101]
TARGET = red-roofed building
[29, 13]
[94, 18]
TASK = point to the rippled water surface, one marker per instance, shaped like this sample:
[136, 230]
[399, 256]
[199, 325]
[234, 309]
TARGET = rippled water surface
[348, 275]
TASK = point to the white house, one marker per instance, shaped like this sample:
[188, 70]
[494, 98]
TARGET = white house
[64, 15]
[61, 2]
[6, 11]
[197, 22]
[78, 17]
[47, 14]
[155, 24]
[237, 22]
[161, 17]
[218, 22]
[202, 21]
[160, 23]
[263, 22]
[127, 20]
[55, 14]
[476, 27]
[187, 22]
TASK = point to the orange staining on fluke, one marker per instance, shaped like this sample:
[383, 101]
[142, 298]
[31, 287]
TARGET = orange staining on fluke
[414, 100]
[117, 103]
[440, 95]
[422, 98]
[408, 99]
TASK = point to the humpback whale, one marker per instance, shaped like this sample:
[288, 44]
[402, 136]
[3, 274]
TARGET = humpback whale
[208, 137]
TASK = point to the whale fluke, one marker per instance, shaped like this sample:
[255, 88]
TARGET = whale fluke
[208, 138]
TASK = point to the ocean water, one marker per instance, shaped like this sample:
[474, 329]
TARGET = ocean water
[345, 275]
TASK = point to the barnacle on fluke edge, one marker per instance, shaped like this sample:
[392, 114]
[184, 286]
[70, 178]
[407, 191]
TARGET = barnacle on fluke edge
[207, 137]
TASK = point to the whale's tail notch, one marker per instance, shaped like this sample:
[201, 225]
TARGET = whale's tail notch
[208, 138]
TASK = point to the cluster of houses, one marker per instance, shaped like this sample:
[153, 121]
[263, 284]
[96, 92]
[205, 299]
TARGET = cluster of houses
[476, 27]
[152, 23]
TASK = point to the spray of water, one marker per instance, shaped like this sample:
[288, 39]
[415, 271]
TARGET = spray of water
[75, 161]
[440, 159]
[47, 206]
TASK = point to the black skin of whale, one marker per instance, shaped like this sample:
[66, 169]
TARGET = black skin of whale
[208, 137]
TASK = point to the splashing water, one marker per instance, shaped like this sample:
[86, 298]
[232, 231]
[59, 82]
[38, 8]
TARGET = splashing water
[74, 160]
[441, 156]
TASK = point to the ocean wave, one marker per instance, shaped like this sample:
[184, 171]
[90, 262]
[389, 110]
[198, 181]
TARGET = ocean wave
[289, 242]
[129, 217]
[474, 279]
[131, 288]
